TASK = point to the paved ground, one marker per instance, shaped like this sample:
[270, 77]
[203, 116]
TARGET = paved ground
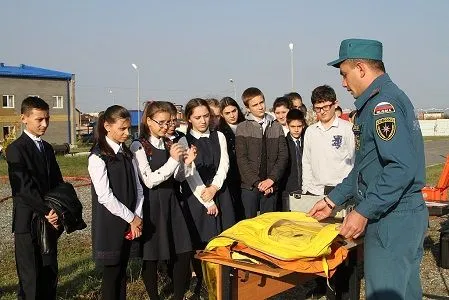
[436, 151]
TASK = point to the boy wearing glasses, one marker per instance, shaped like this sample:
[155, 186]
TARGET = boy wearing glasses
[329, 146]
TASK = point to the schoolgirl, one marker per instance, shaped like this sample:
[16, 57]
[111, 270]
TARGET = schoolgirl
[231, 116]
[165, 234]
[209, 207]
[117, 199]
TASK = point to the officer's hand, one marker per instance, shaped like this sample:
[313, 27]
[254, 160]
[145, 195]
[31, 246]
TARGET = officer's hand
[320, 210]
[353, 225]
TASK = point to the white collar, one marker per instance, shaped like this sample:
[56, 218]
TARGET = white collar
[156, 142]
[334, 124]
[115, 147]
[198, 135]
[32, 136]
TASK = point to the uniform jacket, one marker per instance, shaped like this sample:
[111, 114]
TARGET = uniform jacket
[248, 147]
[389, 170]
[31, 178]
[292, 179]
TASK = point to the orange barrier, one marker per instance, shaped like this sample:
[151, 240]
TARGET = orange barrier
[438, 192]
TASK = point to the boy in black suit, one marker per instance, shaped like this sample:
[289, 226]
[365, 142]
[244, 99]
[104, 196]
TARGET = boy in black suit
[292, 181]
[33, 171]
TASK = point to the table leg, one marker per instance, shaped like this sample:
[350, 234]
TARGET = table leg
[346, 282]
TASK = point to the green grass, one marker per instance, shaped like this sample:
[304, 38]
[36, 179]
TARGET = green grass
[70, 166]
[78, 277]
[433, 174]
[436, 138]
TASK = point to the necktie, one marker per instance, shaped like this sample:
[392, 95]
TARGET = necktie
[297, 149]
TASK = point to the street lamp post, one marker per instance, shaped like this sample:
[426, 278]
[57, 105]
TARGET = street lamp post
[233, 87]
[138, 97]
[291, 63]
[112, 95]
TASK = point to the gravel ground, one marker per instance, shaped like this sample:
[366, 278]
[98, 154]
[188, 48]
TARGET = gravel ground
[435, 280]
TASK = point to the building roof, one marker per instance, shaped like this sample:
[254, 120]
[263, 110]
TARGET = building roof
[32, 72]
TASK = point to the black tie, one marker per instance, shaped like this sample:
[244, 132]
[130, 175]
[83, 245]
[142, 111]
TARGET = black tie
[297, 148]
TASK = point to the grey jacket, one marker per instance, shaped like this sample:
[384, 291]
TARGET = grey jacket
[248, 146]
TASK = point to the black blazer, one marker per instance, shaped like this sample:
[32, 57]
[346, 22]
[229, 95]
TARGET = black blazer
[30, 178]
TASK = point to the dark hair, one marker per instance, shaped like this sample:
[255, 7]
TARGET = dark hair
[152, 108]
[352, 113]
[292, 96]
[295, 114]
[282, 101]
[250, 93]
[192, 104]
[228, 101]
[173, 109]
[322, 94]
[33, 102]
[373, 63]
[111, 115]
[338, 108]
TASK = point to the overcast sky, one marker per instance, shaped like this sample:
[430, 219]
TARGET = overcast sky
[187, 49]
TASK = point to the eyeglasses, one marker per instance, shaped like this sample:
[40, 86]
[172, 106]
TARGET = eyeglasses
[323, 108]
[163, 124]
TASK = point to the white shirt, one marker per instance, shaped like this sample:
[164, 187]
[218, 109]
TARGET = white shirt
[195, 182]
[100, 180]
[286, 130]
[233, 127]
[36, 139]
[328, 155]
[154, 178]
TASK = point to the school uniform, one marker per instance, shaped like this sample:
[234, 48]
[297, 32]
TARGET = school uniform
[210, 168]
[165, 235]
[233, 177]
[117, 197]
[292, 181]
[165, 230]
[33, 171]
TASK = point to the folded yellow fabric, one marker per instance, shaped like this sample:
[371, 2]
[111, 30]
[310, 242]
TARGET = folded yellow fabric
[282, 235]
[285, 236]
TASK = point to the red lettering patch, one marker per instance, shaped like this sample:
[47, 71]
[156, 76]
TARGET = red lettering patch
[383, 108]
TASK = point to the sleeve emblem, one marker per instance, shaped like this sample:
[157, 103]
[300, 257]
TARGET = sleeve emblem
[386, 128]
[383, 108]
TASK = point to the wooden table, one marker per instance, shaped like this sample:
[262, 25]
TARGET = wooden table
[438, 208]
[240, 280]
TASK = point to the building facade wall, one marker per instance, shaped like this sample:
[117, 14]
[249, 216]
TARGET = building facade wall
[60, 125]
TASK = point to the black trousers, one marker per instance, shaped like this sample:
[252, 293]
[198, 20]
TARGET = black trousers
[254, 201]
[36, 281]
[179, 266]
[113, 286]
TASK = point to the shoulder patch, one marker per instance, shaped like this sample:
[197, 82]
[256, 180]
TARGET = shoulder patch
[386, 128]
[383, 108]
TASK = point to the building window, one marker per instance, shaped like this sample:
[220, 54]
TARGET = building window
[58, 101]
[8, 101]
[7, 130]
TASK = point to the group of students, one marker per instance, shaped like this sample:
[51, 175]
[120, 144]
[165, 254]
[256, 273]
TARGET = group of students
[169, 193]
[173, 191]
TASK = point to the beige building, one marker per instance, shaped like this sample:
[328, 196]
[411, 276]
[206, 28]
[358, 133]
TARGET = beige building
[56, 88]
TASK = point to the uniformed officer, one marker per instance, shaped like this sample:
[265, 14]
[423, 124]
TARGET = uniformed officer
[387, 177]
